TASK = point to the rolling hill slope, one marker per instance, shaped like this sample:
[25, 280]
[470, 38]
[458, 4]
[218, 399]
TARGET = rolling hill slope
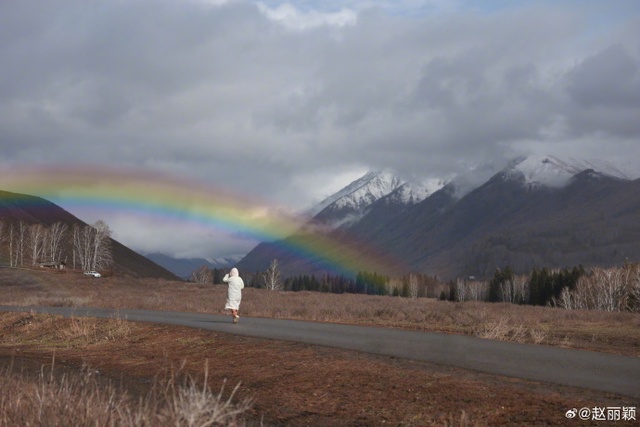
[18, 208]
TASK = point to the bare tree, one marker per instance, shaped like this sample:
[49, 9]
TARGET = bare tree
[515, 290]
[521, 289]
[633, 284]
[2, 237]
[506, 291]
[10, 240]
[37, 233]
[603, 289]
[478, 290]
[612, 295]
[271, 277]
[82, 236]
[17, 243]
[54, 241]
[567, 299]
[461, 289]
[102, 256]
[413, 286]
[77, 246]
[92, 246]
[202, 275]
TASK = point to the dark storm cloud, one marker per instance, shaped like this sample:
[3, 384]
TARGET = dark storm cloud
[604, 93]
[610, 78]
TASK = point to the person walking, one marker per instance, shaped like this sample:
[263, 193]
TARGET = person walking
[234, 293]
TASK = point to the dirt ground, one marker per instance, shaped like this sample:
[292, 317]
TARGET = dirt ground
[302, 385]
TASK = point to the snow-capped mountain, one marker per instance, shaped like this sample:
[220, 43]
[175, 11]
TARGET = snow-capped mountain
[348, 205]
[552, 171]
[414, 192]
[359, 193]
[538, 211]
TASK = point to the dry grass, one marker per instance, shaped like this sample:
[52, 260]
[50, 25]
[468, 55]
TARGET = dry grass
[593, 330]
[291, 384]
[82, 399]
[86, 330]
[354, 389]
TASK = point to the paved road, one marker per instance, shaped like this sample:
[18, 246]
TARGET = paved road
[576, 368]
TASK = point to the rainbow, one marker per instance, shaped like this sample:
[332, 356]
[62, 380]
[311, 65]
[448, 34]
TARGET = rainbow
[158, 195]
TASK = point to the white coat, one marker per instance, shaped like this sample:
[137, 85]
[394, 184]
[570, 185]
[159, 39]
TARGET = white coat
[234, 293]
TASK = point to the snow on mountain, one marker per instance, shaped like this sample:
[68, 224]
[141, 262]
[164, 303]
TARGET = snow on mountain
[226, 261]
[351, 203]
[473, 176]
[551, 171]
[411, 193]
[374, 186]
[344, 192]
[348, 205]
[360, 193]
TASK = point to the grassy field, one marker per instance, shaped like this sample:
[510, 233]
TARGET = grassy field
[288, 383]
[592, 330]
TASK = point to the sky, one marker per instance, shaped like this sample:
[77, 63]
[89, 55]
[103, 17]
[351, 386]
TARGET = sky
[287, 102]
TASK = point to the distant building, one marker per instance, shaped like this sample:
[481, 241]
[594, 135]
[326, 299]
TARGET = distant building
[57, 265]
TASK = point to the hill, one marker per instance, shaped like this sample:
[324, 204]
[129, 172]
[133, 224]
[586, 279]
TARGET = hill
[29, 210]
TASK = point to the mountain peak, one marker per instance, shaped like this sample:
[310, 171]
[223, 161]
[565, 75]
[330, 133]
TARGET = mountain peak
[410, 193]
[552, 171]
[350, 203]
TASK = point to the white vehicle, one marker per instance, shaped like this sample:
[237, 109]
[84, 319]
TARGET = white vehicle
[92, 273]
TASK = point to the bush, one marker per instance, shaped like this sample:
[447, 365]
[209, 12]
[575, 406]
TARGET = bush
[613, 289]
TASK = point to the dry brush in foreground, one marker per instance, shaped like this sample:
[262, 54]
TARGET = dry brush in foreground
[83, 397]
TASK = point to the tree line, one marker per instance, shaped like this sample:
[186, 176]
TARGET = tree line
[612, 289]
[369, 283]
[607, 289]
[83, 246]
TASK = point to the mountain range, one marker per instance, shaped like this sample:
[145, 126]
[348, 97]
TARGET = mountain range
[183, 267]
[542, 211]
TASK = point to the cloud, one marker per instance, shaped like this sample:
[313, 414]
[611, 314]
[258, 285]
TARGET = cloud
[280, 98]
[179, 239]
[604, 94]
[292, 18]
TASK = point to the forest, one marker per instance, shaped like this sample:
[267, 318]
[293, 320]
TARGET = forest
[608, 289]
